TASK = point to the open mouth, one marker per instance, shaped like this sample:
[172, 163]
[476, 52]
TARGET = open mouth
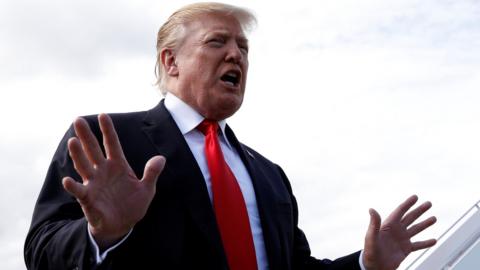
[231, 78]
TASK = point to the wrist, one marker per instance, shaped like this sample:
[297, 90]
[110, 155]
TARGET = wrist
[105, 239]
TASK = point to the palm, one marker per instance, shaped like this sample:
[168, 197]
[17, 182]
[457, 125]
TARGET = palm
[388, 244]
[112, 198]
[111, 195]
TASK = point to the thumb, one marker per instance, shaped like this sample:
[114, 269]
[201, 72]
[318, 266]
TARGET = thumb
[373, 227]
[77, 190]
[370, 248]
[153, 168]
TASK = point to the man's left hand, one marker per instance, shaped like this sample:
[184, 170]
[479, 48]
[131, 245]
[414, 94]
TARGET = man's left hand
[387, 244]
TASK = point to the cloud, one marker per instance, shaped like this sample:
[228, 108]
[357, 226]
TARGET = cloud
[383, 97]
[21, 177]
[362, 104]
[74, 38]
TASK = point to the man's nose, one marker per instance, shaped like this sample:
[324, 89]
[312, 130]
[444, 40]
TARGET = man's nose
[234, 53]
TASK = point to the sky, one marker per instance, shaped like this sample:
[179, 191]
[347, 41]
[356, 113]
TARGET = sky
[361, 103]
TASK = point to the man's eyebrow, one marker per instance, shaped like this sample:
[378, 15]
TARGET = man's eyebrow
[242, 39]
[224, 33]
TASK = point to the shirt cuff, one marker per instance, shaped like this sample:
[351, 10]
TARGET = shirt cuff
[96, 250]
[360, 261]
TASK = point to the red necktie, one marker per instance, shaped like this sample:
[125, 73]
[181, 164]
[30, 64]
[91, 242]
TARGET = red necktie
[228, 204]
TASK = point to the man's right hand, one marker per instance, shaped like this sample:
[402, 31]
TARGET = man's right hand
[112, 198]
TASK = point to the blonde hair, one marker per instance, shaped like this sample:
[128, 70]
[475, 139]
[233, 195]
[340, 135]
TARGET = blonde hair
[171, 33]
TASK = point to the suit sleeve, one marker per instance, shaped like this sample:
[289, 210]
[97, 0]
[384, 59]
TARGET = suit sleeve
[58, 237]
[302, 258]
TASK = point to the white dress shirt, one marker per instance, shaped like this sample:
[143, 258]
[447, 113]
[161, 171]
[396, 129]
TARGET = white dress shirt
[187, 119]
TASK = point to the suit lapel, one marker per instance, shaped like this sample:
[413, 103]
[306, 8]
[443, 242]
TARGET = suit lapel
[161, 129]
[266, 202]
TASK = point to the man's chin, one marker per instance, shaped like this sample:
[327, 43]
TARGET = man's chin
[223, 108]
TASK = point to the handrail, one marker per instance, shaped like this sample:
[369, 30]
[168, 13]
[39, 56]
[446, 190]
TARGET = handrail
[476, 205]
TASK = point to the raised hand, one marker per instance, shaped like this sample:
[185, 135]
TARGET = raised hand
[387, 244]
[112, 198]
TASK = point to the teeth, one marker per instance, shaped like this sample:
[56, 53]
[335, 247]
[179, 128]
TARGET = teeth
[232, 74]
[231, 78]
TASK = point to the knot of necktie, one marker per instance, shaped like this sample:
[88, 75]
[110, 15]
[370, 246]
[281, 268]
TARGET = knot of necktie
[208, 127]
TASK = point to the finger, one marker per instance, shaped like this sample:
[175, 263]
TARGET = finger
[413, 215]
[113, 148]
[419, 227]
[153, 168]
[80, 160]
[400, 211]
[75, 189]
[373, 227]
[89, 141]
[423, 244]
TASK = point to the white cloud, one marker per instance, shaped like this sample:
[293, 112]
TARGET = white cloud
[75, 38]
[382, 97]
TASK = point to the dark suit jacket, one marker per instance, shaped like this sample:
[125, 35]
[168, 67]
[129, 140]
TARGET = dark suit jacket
[179, 230]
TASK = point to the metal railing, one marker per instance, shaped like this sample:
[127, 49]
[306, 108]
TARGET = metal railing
[454, 245]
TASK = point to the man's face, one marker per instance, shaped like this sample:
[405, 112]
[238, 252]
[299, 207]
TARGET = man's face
[212, 66]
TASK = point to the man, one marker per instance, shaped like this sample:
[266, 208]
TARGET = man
[204, 201]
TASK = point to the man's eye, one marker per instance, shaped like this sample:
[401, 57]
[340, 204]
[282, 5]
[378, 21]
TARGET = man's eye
[216, 41]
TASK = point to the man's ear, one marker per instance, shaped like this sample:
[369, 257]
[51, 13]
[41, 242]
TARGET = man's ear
[169, 62]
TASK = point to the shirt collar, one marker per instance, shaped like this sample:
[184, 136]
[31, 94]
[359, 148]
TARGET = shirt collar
[186, 118]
